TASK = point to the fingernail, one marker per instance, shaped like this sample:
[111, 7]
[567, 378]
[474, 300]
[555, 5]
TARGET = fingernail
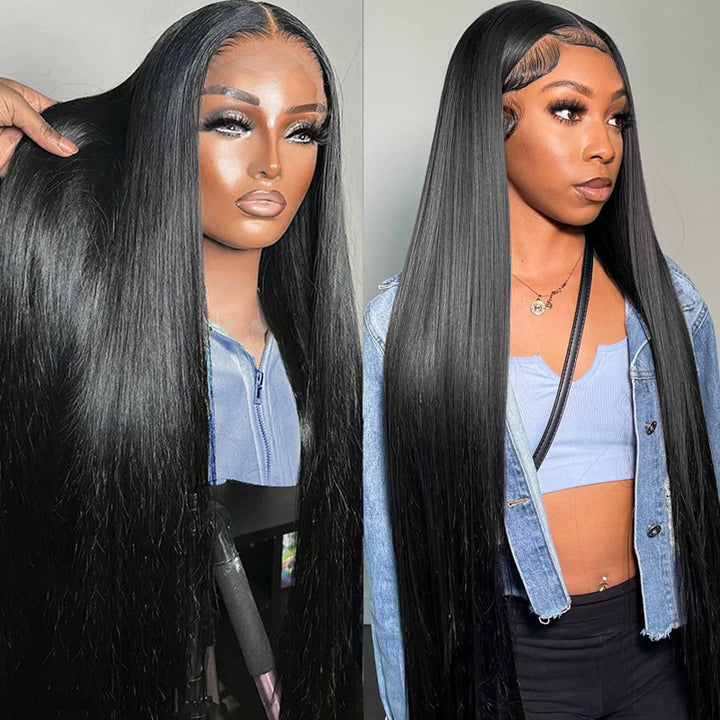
[67, 146]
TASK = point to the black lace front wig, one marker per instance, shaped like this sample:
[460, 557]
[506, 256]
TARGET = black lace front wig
[104, 517]
[446, 383]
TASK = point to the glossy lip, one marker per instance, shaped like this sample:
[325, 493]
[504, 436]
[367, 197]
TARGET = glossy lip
[595, 189]
[262, 203]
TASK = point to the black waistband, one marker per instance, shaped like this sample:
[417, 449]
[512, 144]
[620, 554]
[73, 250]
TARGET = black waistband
[620, 606]
[612, 593]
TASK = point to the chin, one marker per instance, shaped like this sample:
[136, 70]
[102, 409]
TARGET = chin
[261, 232]
[240, 241]
[250, 234]
[579, 218]
[246, 243]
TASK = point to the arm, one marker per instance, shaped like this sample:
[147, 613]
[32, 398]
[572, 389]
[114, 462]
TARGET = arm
[20, 108]
[380, 556]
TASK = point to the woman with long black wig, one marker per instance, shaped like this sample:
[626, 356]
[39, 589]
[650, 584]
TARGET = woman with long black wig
[584, 584]
[121, 276]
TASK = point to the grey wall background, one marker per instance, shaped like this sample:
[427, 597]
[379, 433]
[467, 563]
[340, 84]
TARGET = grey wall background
[80, 47]
[673, 58]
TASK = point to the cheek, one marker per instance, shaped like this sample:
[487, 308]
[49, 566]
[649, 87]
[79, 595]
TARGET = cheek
[298, 171]
[219, 173]
[533, 155]
[619, 150]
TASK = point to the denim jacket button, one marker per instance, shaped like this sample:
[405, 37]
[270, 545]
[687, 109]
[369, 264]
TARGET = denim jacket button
[653, 530]
[650, 427]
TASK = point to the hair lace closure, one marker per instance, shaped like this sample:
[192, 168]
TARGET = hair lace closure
[538, 61]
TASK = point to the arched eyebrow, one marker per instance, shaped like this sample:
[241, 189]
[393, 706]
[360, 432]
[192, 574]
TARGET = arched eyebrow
[582, 89]
[308, 108]
[244, 96]
[233, 93]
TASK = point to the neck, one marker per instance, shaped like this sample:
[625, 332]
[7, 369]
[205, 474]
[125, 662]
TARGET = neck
[541, 247]
[231, 281]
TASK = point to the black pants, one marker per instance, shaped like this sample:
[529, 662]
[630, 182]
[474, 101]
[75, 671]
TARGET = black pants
[592, 662]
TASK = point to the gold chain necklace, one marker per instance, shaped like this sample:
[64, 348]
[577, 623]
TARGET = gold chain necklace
[538, 306]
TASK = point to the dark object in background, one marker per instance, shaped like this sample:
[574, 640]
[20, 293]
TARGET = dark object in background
[258, 518]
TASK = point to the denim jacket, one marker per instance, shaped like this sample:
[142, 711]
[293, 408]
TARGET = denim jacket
[254, 427]
[534, 570]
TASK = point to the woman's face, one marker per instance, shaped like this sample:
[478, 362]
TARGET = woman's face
[261, 114]
[565, 154]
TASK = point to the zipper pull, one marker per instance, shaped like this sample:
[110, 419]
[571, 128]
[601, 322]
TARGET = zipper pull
[258, 385]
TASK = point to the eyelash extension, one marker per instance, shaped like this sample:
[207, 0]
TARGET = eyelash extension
[625, 117]
[316, 133]
[221, 120]
[575, 106]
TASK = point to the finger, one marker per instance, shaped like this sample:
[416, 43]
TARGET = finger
[9, 138]
[34, 126]
[34, 98]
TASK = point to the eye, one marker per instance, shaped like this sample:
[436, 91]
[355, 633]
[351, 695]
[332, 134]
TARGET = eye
[307, 133]
[567, 114]
[622, 120]
[231, 124]
[301, 136]
[567, 111]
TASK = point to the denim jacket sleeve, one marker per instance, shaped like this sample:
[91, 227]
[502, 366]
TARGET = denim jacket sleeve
[704, 343]
[380, 556]
[706, 358]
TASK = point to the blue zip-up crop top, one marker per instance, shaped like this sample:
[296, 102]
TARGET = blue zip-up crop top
[255, 431]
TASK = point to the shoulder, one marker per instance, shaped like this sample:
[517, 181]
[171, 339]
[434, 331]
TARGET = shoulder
[691, 302]
[378, 311]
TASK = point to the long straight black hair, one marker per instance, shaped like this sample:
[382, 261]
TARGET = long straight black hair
[104, 518]
[446, 384]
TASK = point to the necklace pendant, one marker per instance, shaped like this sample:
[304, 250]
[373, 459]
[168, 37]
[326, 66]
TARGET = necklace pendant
[538, 307]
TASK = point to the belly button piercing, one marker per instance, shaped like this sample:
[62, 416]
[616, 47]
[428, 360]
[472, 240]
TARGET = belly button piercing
[603, 584]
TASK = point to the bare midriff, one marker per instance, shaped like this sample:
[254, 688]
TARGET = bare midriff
[592, 531]
[591, 525]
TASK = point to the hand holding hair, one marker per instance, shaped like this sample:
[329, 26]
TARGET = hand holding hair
[20, 108]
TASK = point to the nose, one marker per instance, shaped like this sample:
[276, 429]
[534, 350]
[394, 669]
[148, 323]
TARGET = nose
[602, 143]
[266, 160]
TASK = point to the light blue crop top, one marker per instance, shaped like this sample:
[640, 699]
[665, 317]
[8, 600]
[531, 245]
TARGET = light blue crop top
[255, 431]
[595, 441]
